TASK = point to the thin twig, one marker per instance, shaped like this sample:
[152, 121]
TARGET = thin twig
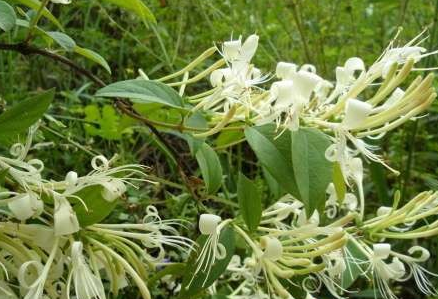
[123, 105]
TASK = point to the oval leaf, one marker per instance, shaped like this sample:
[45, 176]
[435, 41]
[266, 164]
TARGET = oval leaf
[93, 56]
[97, 207]
[7, 16]
[62, 39]
[313, 172]
[143, 91]
[250, 202]
[24, 114]
[211, 168]
[274, 153]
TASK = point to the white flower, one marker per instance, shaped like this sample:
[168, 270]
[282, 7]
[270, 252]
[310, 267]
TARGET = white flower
[384, 272]
[212, 250]
[87, 285]
[417, 271]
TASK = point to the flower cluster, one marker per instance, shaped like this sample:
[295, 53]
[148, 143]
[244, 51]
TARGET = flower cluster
[48, 250]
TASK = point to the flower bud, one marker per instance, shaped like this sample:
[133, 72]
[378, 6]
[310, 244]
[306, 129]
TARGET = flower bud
[355, 113]
[273, 248]
[71, 178]
[208, 223]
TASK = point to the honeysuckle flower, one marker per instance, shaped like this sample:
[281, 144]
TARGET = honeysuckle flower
[383, 272]
[112, 180]
[86, 284]
[211, 226]
[153, 233]
[235, 82]
[417, 271]
[235, 51]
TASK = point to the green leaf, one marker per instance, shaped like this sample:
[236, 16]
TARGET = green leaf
[250, 202]
[62, 39]
[143, 91]
[97, 207]
[339, 182]
[274, 153]
[380, 181]
[211, 168]
[93, 56]
[136, 6]
[35, 5]
[313, 172]
[7, 16]
[353, 256]
[24, 114]
[194, 285]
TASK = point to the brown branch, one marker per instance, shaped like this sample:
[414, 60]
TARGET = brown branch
[123, 105]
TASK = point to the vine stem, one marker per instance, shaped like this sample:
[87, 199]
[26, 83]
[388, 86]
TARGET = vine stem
[123, 105]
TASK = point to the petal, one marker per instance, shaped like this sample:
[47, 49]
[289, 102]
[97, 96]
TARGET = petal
[285, 70]
[381, 250]
[249, 47]
[355, 113]
[354, 64]
[208, 223]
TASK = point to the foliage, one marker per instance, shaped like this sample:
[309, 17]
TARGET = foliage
[223, 179]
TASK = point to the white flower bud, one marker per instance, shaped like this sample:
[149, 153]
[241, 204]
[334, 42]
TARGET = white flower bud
[65, 219]
[273, 250]
[382, 250]
[208, 223]
[71, 178]
[231, 49]
[355, 113]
